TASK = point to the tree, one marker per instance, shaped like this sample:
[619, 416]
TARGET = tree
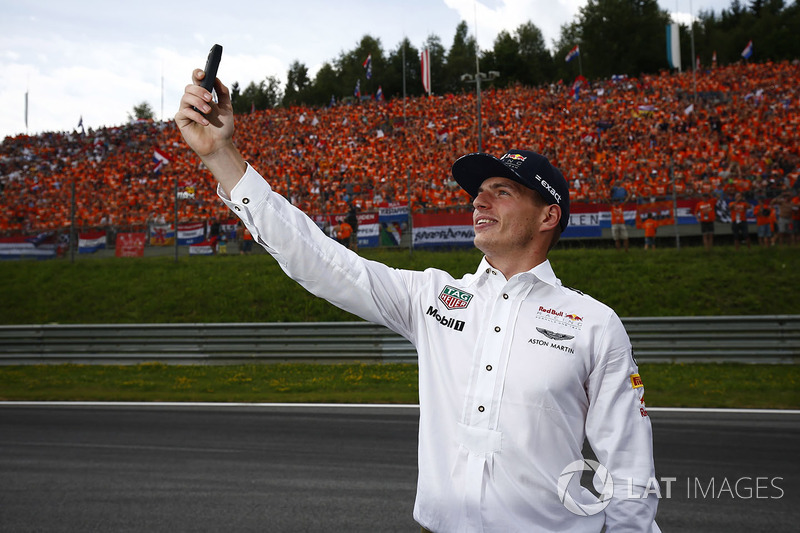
[297, 83]
[535, 63]
[392, 81]
[622, 37]
[142, 111]
[504, 54]
[351, 66]
[460, 59]
[326, 84]
[264, 95]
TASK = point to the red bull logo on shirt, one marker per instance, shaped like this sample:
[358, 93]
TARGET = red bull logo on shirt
[559, 317]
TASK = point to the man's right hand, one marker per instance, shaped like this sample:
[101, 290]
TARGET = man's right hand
[205, 133]
[210, 133]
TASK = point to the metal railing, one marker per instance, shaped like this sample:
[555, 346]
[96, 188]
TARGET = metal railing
[763, 339]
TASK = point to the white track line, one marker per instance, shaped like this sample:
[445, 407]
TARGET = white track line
[356, 405]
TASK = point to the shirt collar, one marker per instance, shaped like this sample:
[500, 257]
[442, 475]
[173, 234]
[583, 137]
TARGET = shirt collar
[542, 272]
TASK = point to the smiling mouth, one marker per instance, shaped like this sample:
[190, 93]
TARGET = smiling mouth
[484, 222]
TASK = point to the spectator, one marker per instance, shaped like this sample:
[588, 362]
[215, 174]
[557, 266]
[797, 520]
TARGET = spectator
[738, 209]
[344, 232]
[619, 230]
[245, 239]
[783, 208]
[765, 218]
[352, 220]
[650, 226]
[705, 212]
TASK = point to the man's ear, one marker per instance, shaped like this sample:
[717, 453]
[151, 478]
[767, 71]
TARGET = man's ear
[552, 217]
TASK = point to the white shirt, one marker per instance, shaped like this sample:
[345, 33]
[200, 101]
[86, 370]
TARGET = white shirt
[513, 375]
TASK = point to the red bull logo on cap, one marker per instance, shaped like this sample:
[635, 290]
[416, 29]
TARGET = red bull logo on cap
[514, 156]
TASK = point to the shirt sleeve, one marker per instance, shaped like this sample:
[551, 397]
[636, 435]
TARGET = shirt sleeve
[619, 431]
[368, 289]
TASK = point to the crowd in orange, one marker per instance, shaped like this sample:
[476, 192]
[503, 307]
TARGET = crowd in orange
[724, 130]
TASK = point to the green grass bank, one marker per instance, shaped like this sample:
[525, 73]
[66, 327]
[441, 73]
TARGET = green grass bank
[663, 282]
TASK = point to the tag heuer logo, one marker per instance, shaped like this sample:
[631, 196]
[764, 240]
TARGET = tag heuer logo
[453, 298]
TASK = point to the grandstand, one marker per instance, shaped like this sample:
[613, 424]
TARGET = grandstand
[736, 128]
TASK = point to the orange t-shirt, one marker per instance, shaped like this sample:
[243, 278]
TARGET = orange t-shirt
[343, 231]
[617, 215]
[650, 226]
[704, 211]
[764, 215]
[739, 211]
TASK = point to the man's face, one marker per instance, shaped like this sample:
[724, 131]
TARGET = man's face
[506, 218]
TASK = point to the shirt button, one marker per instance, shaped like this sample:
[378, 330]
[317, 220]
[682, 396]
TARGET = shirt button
[481, 409]
[488, 368]
[505, 297]
[237, 208]
[245, 201]
[488, 270]
[497, 329]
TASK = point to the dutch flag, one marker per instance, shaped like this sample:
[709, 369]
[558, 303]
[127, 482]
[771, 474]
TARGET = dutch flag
[160, 159]
[572, 54]
[748, 50]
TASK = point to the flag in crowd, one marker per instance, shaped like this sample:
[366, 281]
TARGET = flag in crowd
[162, 235]
[160, 159]
[748, 50]
[576, 86]
[20, 246]
[673, 46]
[357, 91]
[191, 233]
[368, 65]
[379, 94]
[90, 242]
[426, 70]
[572, 54]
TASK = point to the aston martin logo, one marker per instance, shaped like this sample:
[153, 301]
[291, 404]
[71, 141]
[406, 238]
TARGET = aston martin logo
[553, 335]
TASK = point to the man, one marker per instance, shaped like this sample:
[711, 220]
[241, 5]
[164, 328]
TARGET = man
[344, 232]
[738, 209]
[783, 209]
[706, 214]
[650, 226]
[515, 370]
[619, 231]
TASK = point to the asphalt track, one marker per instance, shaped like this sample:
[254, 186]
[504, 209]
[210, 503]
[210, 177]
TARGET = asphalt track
[175, 468]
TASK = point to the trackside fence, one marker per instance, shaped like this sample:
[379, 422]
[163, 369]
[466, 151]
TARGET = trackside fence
[750, 339]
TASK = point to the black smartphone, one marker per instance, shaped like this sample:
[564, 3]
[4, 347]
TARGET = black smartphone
[212, 64]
